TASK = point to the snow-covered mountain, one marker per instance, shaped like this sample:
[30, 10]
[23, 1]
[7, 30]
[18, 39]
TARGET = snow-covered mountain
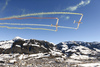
[79, 49]
[20, 45]
[24, 52]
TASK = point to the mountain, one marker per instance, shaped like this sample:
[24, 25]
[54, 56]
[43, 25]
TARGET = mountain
[31, 52]
[79, 49]
[20, 45]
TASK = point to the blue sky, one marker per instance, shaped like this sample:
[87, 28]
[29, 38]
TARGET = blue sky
[89, 30]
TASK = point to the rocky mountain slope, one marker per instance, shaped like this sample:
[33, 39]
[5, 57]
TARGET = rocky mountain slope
[39, 53]
[20, 45]
[79, 49]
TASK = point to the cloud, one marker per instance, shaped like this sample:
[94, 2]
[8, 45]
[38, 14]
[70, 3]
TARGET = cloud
[23, 11]
[65, 17]
[82, 3]
[6, 3]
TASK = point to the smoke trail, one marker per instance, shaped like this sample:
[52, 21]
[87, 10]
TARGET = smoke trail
[29, 18]
[27, 24]
[34, 14]
[42, 13]
[26, 28]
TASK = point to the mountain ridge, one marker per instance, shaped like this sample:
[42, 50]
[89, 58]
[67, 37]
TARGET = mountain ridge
[27, 46]
[19, 50]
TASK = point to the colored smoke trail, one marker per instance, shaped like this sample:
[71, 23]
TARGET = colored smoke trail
[26, 28]
[42, 13]
[35, 14]
[29, 18]
[27, 24]
[24, 24]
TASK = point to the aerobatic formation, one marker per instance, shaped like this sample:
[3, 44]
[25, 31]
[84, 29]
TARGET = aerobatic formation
[26, 16]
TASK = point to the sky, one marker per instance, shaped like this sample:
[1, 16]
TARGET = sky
[88, 31]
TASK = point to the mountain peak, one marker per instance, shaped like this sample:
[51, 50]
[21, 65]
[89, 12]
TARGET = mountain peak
[17, 38]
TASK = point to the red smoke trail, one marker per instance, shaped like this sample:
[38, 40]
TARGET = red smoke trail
[29, 18]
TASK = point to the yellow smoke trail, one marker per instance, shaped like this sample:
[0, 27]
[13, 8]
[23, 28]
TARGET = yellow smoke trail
[24, 24]
[26, 28]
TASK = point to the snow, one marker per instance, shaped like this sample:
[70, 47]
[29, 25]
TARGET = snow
[64, 56]
[59, 59]
[5, 56]
[74, 56]
[39, 55]
[79, 42]
[10, 41]
[71, 50]
[47, 55]
[72, 60]
[52, 43]
[68, 42]
[33, 55]
[18, 45]
[84, 50]
[1, 58]
[31, 45]
[24, 44]
[6, 44]
[34, 45]
[73, 42]
[98, 50]
[64, 47]
[43, 47]
[12, 61]
[54, 53]
[16, 38]
[90, 65]
[21, 57]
